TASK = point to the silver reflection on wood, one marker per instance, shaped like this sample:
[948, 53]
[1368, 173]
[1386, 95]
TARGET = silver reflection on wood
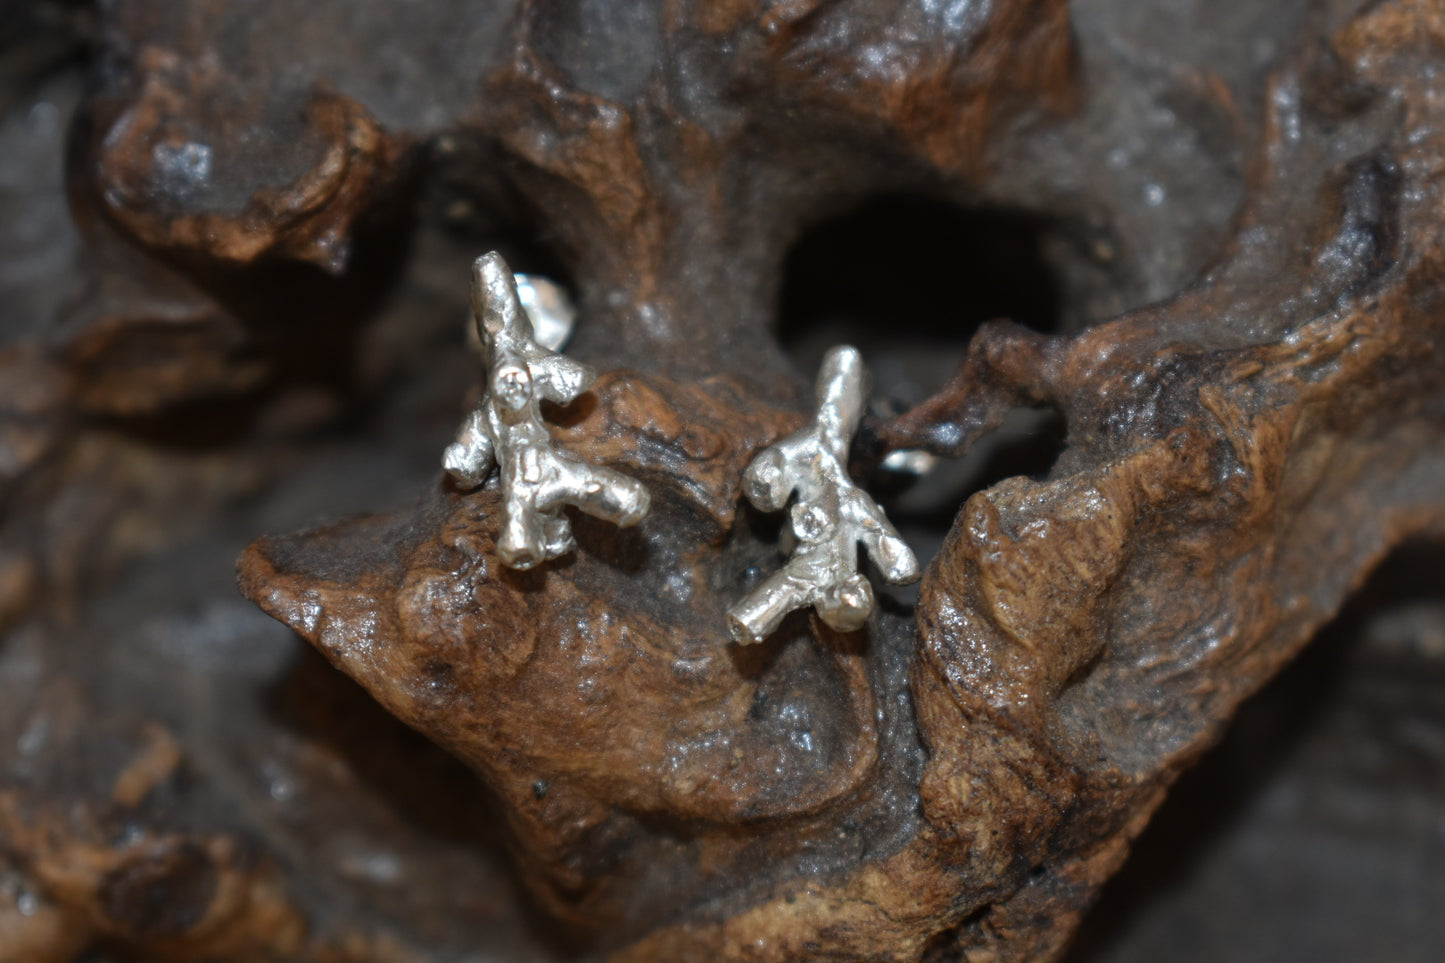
[506, 431]
[829, 518]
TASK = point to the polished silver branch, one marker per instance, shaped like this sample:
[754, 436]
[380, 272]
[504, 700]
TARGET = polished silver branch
[507, 430]
[829, 518]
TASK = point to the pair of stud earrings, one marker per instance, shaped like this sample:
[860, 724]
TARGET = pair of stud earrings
[521, 321]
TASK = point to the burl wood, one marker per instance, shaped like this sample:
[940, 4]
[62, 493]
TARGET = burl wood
[954, 781]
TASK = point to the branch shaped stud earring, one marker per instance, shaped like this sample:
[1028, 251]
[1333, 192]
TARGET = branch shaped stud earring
[506, 431]
[829, 518]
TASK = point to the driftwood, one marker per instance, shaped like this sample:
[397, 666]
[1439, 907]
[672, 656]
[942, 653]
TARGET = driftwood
[1222, 273]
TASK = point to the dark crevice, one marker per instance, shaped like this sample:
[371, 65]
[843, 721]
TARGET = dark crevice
[908, 280]
[472, 196]
[38, 40]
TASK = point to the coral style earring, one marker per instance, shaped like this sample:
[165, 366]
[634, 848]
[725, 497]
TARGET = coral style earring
[829, 518]
[506, 431]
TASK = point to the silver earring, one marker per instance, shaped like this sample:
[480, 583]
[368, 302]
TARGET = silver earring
[507, 432]
[829, 518]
